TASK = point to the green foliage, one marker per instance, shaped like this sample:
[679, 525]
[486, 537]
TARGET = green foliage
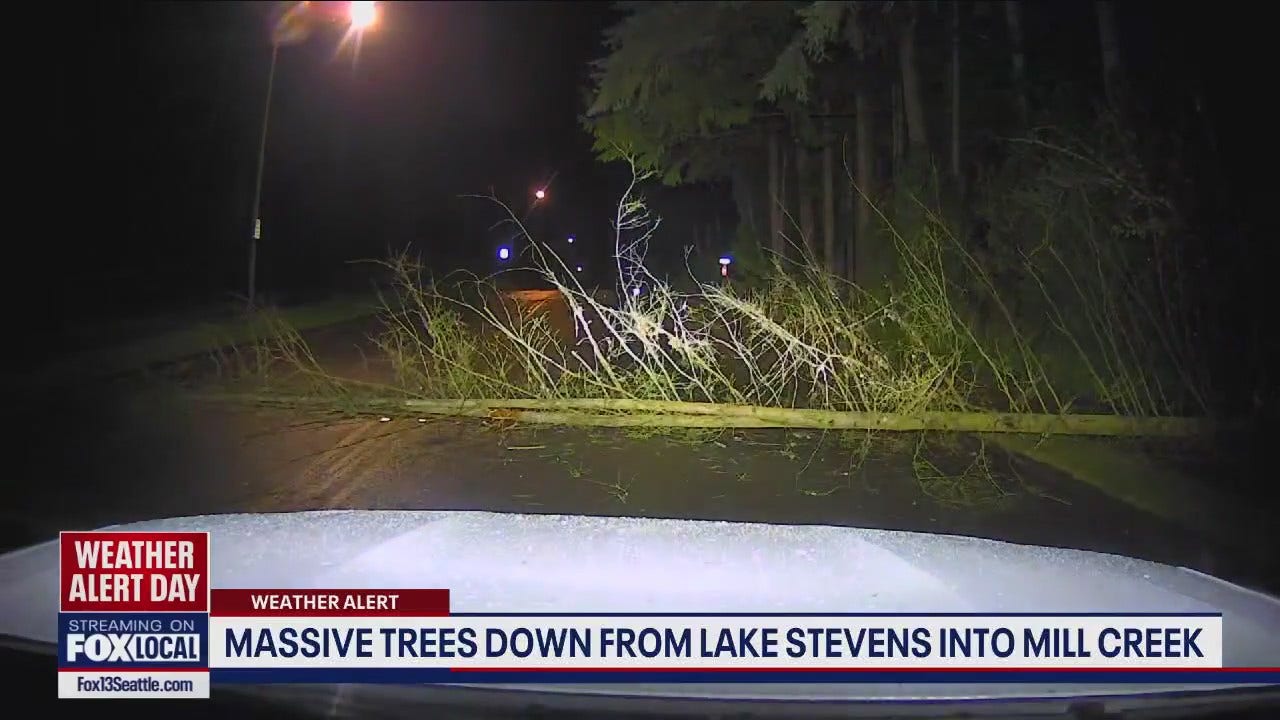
[792, 74]
[679, 80]
[822, 23]
[1089, 260]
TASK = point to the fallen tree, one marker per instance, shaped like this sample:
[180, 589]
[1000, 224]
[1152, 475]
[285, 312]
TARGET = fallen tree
[604, 412]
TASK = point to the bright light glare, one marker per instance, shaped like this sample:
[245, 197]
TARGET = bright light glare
[570, 239]
[579, 268]
[363, 14]
[540, 194]
[725, 260]
[635, 292]
[504, 253]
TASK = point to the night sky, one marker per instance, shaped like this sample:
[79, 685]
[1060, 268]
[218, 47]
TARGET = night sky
[146, 118]
[157, 110]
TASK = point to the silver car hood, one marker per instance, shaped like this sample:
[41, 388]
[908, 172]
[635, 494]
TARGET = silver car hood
[509, 563]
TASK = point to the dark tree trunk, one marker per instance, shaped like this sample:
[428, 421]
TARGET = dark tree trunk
[898, 129]
[1109, 39]
[858, 269]
[1018, 58]
[804, 192]
[912, 90]
[829, 204]
[776, 199]
[955, 93]
[785, 207]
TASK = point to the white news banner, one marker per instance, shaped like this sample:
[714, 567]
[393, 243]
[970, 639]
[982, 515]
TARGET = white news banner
[718, 642]
[130, 684]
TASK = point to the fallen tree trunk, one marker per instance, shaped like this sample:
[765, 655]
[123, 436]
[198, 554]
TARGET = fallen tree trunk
[603, 412]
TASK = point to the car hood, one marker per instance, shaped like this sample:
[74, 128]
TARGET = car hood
[509, 563]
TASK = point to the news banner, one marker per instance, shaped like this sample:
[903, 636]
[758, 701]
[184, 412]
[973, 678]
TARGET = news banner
[139, 619]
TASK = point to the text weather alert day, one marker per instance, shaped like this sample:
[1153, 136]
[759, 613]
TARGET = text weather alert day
[123, 570]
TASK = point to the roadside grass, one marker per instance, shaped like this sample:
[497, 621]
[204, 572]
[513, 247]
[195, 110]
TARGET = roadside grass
[237, 342]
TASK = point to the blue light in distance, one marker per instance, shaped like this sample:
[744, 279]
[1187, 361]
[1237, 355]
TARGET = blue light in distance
[504, 253]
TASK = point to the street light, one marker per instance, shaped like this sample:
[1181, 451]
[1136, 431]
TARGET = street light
[363, 15]
[540, 194]
[294, 27]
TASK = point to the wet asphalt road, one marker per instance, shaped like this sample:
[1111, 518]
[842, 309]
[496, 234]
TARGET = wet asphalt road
[135, 451]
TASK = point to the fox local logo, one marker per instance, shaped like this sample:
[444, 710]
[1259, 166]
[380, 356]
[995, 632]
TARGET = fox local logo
[133, 617]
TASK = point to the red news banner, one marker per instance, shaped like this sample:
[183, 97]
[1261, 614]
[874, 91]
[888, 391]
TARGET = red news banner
[330, 603]
[134, 572]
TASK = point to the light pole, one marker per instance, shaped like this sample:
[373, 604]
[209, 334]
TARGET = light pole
[256, 233]
[294, 27]
[539, 199]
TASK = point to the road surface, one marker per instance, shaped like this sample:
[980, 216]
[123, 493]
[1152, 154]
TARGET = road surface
[134, 452]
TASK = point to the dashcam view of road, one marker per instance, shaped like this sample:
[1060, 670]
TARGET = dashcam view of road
[986, 269]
